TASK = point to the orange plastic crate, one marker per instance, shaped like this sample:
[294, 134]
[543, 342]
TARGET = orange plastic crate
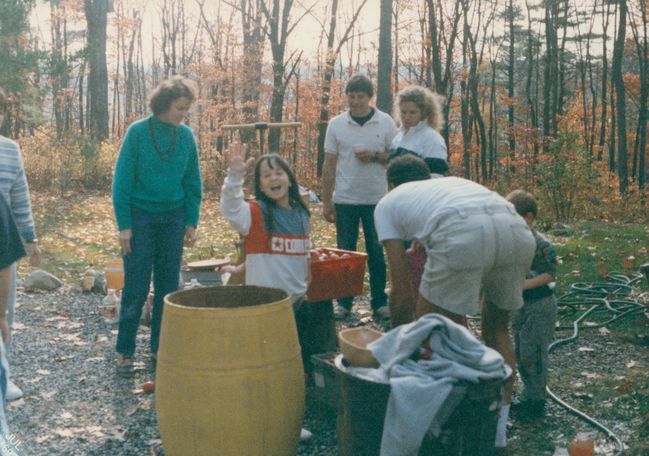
[336, 277]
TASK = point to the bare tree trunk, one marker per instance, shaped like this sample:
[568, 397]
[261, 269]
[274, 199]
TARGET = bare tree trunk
[97, 18]
[492, 122]
[618, 55]
[561, 61]
[278, 29]
[435, 48]
[140, 79]
[532, 99]
[129, 101]
[384, 66]
[604, 113]
[395, 73]
[330, 63]
[169, 18]
[253, 48]
[511, 13]
[593, 92]
[465, 114]
[115, 112]
[474, 98]
[59, 67]
[426, 48]
[551, 71]
[443, 73]
[82, 73]
[640, 35]
[612, 145]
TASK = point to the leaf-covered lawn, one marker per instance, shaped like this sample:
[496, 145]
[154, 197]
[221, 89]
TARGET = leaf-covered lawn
[77, 232]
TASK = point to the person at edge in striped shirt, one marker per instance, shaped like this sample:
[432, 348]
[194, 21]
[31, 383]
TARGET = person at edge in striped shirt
[14, 188]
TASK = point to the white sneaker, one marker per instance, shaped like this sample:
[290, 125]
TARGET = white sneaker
[305, 435]
[13, 392]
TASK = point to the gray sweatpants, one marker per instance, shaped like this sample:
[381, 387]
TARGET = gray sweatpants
[533, 328]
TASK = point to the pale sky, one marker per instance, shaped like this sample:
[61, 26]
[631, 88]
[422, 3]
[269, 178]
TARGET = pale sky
[304, 37]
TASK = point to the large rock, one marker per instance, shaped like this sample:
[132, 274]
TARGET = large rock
[42, 280]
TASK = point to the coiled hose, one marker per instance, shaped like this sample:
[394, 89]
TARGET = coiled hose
[610, 296]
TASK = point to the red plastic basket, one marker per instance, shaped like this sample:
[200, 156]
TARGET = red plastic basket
[336, 277]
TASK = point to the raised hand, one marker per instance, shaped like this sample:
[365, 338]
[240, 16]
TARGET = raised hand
[236, 157]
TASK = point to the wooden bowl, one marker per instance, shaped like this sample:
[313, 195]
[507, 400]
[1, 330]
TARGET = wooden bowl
[353, 345]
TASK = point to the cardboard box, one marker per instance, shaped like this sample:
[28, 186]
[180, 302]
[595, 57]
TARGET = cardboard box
[206, 278]
[326, 389]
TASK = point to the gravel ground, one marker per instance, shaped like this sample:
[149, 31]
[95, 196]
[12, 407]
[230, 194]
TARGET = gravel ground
[74, 404]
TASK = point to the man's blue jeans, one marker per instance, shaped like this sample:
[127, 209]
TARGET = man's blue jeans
[156, 246]
[348, 217]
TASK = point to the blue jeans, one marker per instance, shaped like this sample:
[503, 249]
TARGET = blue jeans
[156, 246]
[4, 378]
[348, 217]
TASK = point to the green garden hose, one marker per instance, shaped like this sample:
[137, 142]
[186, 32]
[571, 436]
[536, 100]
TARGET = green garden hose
[611, 296]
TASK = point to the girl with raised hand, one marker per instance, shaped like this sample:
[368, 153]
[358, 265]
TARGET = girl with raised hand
[275, 225]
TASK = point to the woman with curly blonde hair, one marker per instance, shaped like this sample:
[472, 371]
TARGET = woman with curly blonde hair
[419, 111]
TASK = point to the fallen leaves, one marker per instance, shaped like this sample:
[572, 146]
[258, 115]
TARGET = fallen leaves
[115, 433]
[591, 375]
[583, 395]
[64, 432]
[17, 327]
[60, 359]
[48, 394]
[625, 387]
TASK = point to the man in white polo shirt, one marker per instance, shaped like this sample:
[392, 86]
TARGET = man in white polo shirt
[476, 243]
[353, 181]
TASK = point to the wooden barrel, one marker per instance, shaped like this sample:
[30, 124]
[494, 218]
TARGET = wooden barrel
[229, 378]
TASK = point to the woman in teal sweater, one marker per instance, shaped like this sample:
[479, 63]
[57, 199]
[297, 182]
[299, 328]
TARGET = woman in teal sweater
[156, 196]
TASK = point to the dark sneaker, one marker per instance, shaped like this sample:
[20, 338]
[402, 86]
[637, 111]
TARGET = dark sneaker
[340, 312]
[528, 410]
[124, 365]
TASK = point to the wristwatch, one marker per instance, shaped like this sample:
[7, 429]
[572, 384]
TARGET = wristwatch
[376, 157]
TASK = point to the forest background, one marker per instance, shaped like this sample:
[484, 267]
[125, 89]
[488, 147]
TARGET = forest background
[547, 95]
[551, 96]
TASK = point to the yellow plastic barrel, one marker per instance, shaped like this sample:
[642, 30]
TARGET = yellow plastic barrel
[229, 377]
